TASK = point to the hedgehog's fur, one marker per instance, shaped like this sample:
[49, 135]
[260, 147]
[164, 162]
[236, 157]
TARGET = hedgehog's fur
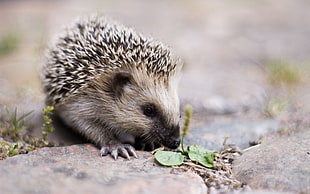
[110, 84]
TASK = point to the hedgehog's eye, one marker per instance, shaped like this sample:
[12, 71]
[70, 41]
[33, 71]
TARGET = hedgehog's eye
[149, 110]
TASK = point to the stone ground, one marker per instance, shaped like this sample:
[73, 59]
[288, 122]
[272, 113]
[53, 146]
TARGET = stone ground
[61, 173]
[226, 47]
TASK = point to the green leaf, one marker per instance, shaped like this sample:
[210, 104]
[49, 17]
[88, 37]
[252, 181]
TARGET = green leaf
[13, 150]
[167, 158]
[201, 155]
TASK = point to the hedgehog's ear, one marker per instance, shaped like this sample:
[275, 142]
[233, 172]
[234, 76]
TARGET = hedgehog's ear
[120, 79]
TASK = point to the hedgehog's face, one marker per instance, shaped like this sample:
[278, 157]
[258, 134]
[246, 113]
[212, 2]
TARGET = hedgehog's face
[162, 130]
[149, 110]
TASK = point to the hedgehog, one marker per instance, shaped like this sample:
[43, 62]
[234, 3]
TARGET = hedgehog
[114, 86]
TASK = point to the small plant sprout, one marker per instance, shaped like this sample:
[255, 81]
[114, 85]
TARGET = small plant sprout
[8, 149]
[188, 116]
[13, 150]
[16, 124]
[47, 125]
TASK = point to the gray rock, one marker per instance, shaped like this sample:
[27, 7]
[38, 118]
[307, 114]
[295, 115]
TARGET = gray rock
[241, 133]
[80, 169]
[281, 165]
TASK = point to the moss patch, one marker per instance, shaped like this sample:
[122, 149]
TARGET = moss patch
[281, 72]
[9, 43]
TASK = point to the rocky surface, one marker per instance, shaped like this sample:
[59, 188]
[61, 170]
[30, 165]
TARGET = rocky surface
[80, 169]
[281, 165]
[241, 133]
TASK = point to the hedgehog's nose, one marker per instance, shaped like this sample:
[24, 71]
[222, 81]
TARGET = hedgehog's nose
[174, 138]
[174, 143]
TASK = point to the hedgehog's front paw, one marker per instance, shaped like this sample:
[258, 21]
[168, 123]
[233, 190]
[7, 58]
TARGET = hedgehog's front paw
[124, 150]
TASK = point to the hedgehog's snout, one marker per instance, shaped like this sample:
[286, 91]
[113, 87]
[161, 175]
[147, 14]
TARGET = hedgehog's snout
[173, 139]
[173, 144]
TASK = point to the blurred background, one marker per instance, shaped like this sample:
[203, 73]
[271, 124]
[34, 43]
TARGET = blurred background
[241, 57]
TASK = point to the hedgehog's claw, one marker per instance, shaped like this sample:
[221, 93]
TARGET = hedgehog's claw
[123, 150]
[132, 151]
[114, 154]
[104, 151]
